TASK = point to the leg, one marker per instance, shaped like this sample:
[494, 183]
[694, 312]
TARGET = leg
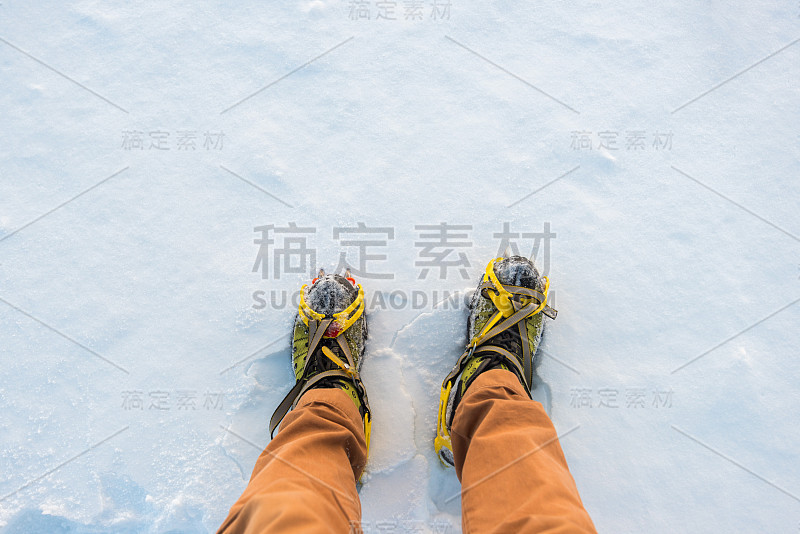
[513, 472]
[305, 480]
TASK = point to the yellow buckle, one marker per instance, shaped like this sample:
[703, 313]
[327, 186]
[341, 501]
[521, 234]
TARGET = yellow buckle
[501, 297]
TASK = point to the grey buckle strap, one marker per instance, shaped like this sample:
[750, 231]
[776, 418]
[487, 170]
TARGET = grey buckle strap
[515, 318]
[291, 400]
[283, 408]
[507, 358]
[316, 331]
[484, 346]
[524, 371]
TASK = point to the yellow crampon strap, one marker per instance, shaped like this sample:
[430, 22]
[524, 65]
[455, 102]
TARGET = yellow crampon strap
[442, 434]
[493, 321]
[344, 318]
[367, 429]
[501, 297]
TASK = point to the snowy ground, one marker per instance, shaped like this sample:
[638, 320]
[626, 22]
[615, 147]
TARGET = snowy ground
[142, 143]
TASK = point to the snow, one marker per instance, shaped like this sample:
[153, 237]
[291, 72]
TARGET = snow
[126, 274]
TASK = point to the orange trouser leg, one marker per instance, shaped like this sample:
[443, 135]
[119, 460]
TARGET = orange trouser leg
[513, 474]
[305, 480]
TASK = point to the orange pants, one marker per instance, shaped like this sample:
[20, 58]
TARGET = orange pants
[512, 470]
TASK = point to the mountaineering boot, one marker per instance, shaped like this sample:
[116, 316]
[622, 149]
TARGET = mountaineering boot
[504, 328]
[330, 332]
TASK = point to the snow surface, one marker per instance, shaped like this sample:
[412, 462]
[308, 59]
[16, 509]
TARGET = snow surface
[144, 283]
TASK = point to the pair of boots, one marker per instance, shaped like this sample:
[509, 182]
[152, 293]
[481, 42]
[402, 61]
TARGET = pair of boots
[504, 328]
